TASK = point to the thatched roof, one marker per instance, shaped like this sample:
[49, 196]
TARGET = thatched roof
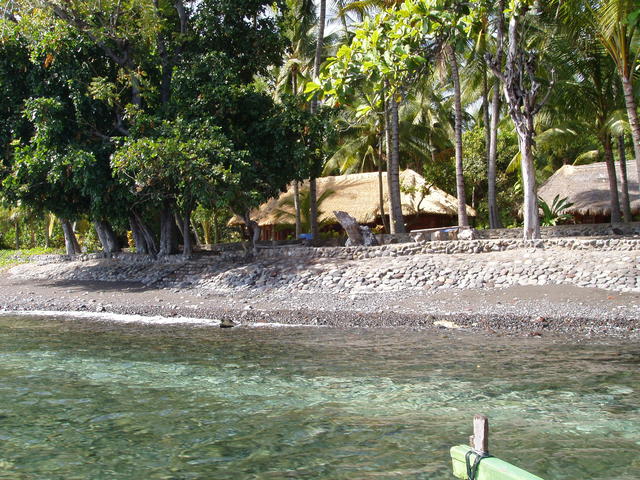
[358, 195]
[587, 187]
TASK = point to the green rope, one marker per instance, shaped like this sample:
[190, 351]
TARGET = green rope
[472, 468]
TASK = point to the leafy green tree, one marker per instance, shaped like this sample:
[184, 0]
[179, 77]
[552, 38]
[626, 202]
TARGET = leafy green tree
[183, 163]
[44, 171]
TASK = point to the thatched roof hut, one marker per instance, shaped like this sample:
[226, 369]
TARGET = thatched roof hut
[358, 195]
[587, 187]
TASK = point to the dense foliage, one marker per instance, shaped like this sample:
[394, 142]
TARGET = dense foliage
[156, 121]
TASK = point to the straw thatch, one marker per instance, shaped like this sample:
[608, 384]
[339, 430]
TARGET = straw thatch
[587, 187]
[358, 195]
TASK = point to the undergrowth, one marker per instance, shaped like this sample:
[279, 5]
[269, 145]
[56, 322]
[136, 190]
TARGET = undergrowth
[9, 258]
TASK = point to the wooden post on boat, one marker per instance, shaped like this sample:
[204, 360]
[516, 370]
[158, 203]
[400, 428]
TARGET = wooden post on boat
[475, 463]
[479, 441]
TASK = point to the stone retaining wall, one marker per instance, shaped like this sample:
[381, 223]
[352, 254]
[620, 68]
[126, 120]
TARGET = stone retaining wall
[452, 247]
[608, 264]
[358, 253]
[581, 230]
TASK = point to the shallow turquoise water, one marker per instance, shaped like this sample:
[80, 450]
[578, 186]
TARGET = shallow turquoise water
[82, 400]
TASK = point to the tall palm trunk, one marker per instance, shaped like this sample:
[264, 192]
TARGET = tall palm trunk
[187, 244]
[17, 232]
[624, 183]
[393, 169]
[494, 216]
[387, 145]
[296, 206]
[463, 219]
[313, 189]
[613, 183]
[381, 187]
[296, 186]
[632, 113]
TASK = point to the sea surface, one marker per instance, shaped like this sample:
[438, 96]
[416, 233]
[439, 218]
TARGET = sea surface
[96, 400]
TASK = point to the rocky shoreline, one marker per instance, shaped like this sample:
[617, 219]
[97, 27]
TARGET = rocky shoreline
[552, 291]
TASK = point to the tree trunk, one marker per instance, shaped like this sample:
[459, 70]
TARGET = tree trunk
[296, 205]
[313, 194]
[383, 217]
[179, 222]
[397, 225]
[253, 230]
[206, 229]
[70, 241]
[494, 215]
[47, 237]
[187, 247]
[17, 233]
[74, 239]
[387, 143]
[313, 207]
[632, 113]
[107, 237]
[216, 235]
[624, 183]
[168, 231]
[296, 184]
[142, 236]
[521, 89]
[196, 235]
[139, 242]
[463, 220]
[322, 12]
[485, 115]
[531, 229]
[613, 182]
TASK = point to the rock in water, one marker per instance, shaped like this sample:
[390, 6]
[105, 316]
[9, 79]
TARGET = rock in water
[226, 323]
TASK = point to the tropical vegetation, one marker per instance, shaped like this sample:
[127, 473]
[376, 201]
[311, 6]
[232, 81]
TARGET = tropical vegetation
[151, 123]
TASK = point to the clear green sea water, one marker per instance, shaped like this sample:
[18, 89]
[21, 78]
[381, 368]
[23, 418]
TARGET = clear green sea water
[85, 400]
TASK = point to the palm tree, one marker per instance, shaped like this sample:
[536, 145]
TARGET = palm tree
[299, 58]
[478, 85]
[590, 97]
[286, 208]
[616, 31]
[300, 47]
[322, 13]
[616, 27]
[463, 219]
[390, 100]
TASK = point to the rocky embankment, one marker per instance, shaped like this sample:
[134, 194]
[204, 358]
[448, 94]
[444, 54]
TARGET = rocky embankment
[583, 288]
[612, 265]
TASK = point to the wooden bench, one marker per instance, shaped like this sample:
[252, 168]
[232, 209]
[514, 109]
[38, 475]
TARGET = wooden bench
[436, 234]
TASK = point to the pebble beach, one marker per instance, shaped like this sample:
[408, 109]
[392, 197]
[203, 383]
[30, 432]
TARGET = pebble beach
[548, 290]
